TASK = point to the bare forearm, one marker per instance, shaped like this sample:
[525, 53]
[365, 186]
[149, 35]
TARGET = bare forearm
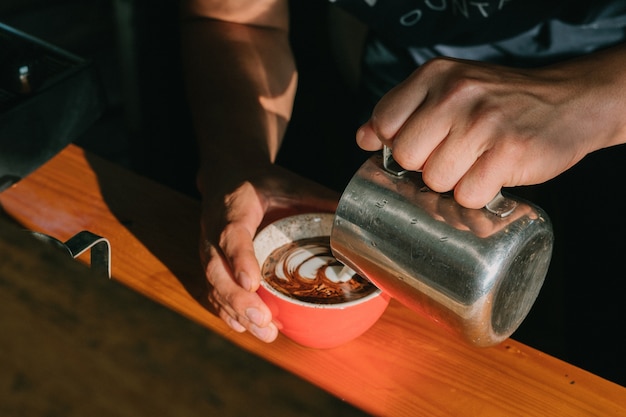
[585, 100]
[241, 81]
[600, 80]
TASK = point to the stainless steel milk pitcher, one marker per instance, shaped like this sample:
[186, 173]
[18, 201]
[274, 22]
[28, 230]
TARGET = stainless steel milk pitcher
[475, 272]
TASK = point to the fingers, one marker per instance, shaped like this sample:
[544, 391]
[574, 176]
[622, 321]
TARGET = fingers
[457, 125]
[241, 309]
[419, 139]
[482, 181]
[470, 161]
[244, 215]
[367, 139]
[391, 112]
[236, 245]
[230, 263]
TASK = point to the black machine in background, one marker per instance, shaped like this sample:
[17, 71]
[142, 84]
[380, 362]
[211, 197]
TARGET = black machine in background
[48, 97]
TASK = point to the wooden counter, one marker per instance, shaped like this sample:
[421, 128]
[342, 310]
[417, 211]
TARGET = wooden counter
[73, 344]
[403, 366]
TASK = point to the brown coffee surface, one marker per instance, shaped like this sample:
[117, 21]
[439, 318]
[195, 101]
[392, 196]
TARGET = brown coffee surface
[306, 270]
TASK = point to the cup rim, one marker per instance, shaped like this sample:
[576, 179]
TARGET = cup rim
[328, 217]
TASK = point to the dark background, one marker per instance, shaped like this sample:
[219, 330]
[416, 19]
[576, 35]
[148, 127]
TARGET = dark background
[580, 314]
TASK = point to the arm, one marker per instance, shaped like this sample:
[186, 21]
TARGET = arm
[476, 127]
[241, 82]
[241, 76]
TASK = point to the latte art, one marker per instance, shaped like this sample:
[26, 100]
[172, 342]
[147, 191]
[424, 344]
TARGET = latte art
[306, 270]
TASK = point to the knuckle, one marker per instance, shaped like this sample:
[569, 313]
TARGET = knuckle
[467, 89]
[489, 115]
[224, 303]
[475, 195]
[212, 265]
[436, 182]
[230, 229]
[214, 302]
[407, 157]
[380, 124]
[436, 66]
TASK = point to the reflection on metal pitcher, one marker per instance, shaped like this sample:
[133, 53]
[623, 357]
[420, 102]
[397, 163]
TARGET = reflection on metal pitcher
[476, 272]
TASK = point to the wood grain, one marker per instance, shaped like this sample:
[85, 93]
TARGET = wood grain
[74, 344]
[403, 366]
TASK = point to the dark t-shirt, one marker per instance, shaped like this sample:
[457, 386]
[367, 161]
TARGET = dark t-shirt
[423, 23]
[518, 33]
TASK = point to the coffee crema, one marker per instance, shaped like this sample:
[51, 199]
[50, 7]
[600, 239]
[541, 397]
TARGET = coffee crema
[306, 270]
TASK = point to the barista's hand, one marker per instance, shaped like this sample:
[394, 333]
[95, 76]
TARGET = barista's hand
[232, 212]
[476, 127]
